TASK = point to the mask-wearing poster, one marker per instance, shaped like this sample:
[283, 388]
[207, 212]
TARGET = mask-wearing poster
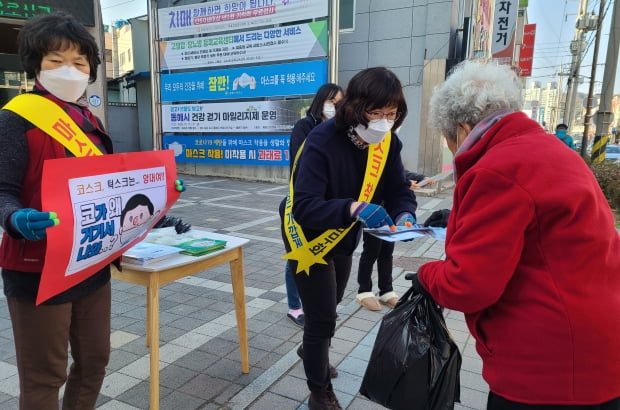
[105, 205]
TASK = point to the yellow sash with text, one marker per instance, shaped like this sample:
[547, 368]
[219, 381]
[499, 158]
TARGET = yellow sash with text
[309, 253]
[50, 118]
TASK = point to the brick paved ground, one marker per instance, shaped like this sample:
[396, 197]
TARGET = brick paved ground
[200, 365]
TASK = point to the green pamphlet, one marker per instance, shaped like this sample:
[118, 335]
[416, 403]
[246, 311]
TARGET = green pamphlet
[197, 247]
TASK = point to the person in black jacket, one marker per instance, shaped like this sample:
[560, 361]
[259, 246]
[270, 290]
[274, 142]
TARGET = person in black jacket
[323, 107]
[62, 57]
[348, 166]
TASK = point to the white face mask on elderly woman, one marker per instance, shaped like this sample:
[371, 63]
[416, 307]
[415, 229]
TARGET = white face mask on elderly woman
[376, 130]
[66, 82]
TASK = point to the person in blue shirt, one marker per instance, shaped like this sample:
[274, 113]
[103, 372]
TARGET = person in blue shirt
[561, 131]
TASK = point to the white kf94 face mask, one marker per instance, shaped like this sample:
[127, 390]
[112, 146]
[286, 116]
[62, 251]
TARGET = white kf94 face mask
[66, 82]
[329, 110]
[376, 130]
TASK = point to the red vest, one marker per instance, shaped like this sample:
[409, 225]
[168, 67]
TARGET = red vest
[20, 254]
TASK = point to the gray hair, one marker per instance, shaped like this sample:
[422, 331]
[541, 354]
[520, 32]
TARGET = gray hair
[472, 91]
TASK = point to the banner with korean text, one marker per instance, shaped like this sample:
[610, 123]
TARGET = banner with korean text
[245, 116]
[504, 24]
[301, 78]
[225, 15]
[105, 205]
[247, 47]
[230, 149]
[526, 53]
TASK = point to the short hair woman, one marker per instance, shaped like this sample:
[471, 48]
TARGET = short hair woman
[348, 166]
[532, 253]
[63, 58]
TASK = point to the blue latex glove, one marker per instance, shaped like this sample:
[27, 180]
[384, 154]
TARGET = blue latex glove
[179, 186]
[373, 215]
[405, 219]
[31, 224]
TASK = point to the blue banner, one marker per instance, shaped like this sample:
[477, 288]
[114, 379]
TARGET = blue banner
[237, 150]
[273, 80]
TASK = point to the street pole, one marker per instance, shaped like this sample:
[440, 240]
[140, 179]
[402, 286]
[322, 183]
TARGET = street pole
[334, 39]
[588, 117]
[604, 115]
[576, 48]
[154, 67]
[558, 100]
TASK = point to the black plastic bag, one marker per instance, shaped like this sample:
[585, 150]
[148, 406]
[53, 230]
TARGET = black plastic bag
[414, 364]
[438, 218]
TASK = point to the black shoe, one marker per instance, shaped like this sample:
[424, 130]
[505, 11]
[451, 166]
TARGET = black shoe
[323, 400]
[333, 372]
[299, 320]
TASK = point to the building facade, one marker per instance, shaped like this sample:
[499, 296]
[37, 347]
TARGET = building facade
[420, 40]
[14, 14]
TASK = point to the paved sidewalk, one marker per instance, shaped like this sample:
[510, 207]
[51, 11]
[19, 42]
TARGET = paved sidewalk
[200, 362]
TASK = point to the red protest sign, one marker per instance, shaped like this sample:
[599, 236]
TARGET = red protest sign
[105, 205]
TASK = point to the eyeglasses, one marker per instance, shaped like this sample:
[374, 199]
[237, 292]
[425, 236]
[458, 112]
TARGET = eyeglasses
[378, 115]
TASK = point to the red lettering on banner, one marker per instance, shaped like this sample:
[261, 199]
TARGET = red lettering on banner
[377, 157]
[153, 177]
[269, 155]
[368, 189]
[81, 145]
[379, 148]
[375, 165]
[64, 129]
[235, 15]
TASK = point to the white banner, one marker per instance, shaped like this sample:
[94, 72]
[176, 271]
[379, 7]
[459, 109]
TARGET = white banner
[225, 15]
[504, 23]
[258, 46]
[245, 116]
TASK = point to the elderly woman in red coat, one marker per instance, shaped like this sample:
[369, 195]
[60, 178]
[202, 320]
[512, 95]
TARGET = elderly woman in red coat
[532, 254]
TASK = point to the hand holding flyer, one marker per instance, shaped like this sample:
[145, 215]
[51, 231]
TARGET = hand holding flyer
[434, 178]
[403, 233]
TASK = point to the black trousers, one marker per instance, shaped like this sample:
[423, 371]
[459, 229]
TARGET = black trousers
[496, 402]
[380, 251]
[320, 293]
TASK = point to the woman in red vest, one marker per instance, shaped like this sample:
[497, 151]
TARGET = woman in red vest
[63, 58]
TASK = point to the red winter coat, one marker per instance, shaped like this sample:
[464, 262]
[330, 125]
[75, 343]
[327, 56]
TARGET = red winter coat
[533, 260]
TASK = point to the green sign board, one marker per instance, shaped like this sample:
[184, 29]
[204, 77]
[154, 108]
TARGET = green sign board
[83, 10]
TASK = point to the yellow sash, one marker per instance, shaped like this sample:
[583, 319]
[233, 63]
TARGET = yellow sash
[50, 118]
[308, 254]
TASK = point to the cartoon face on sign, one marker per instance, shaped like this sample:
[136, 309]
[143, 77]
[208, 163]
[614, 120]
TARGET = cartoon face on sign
[135, 217]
